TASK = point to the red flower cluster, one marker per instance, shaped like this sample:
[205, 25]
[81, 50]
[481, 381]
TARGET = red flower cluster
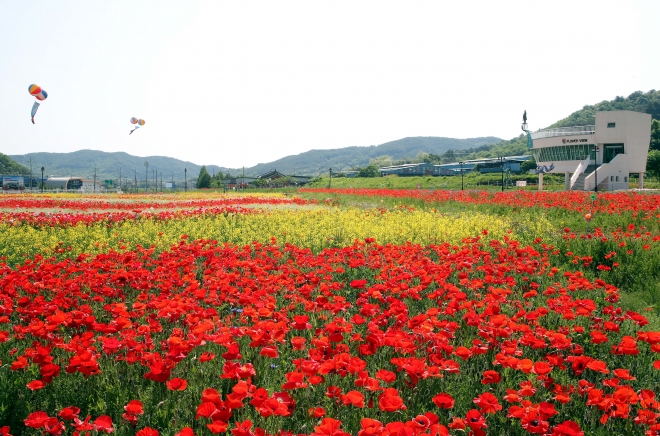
[576, 201]
[371, 330]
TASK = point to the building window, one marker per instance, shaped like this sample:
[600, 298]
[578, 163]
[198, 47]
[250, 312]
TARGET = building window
[625, 179]
[617, 178]
[611, 125]
[611, 178]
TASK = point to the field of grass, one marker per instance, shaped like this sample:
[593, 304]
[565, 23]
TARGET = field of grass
[331, 312]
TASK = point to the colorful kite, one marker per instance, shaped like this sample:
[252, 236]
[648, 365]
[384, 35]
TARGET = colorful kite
[139, 123]
[39, 94]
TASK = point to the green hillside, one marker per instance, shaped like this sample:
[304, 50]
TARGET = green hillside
[82, 163]
[341, 159]
[637, 101]
[9, 167]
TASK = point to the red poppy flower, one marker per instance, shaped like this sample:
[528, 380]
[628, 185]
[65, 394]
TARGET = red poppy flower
[598, 366]
[206, 410]
[205, 357]
[533, 423]
[69, 413]
[36, 419]
[475, 420]
[370, 427]
[567, 428]
[329, 426]
[443, 401]
[316, 412]
[104, 423]
[134, 407]
[35, 385]
[147, 431]
[490, 377]
[390, 401]
[217, 427]
[353, 398]
[185, 431]
[243, 429]
[487, 403]
[177, 384]
[386, 376]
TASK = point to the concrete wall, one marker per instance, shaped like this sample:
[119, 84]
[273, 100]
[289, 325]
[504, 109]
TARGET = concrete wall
[633, 129]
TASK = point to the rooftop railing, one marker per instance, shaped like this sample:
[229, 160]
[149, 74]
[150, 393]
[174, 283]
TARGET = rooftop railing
[564, 131]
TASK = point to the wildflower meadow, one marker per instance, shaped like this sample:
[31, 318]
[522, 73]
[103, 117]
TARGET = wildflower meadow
[330, 312]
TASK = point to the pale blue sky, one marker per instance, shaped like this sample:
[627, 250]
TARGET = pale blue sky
[243, 82]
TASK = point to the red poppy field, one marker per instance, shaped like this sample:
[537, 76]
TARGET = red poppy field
[530, 335]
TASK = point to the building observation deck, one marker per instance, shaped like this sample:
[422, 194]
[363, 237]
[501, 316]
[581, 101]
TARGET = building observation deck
[564, 131]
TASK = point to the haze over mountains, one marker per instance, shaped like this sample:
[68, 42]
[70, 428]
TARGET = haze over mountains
[313, 162]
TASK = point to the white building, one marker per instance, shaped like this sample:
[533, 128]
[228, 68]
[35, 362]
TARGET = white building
[597, 157]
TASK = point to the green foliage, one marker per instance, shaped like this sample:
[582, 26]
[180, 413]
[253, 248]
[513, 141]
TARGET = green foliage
[655, 135]
[528, 165]
[8, 166]
[204, 178]
[369, 171]
[381, 161]
[637, 101]
[653, 163]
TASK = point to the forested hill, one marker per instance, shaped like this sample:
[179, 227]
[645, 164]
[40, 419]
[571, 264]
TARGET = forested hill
[8, 166]
[340, 159]
[83, 162]
[638, 101]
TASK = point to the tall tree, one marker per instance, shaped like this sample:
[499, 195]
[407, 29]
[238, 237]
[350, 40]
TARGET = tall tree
[653, 163]
[204, 179]
[655, 135]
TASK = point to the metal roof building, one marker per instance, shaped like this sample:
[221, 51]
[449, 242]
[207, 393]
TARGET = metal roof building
[72, 184]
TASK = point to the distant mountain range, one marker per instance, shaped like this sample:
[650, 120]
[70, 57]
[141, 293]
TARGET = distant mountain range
[342, 159]
[83, 162]
[107, 165]
[313, 162]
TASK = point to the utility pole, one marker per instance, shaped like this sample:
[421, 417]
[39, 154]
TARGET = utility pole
[146, 176]
[596, 148]
[31, 174]
[42, 180]
[502, 168]
[330, 182]
[185, 178]
[461, 175]
[94, 188]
